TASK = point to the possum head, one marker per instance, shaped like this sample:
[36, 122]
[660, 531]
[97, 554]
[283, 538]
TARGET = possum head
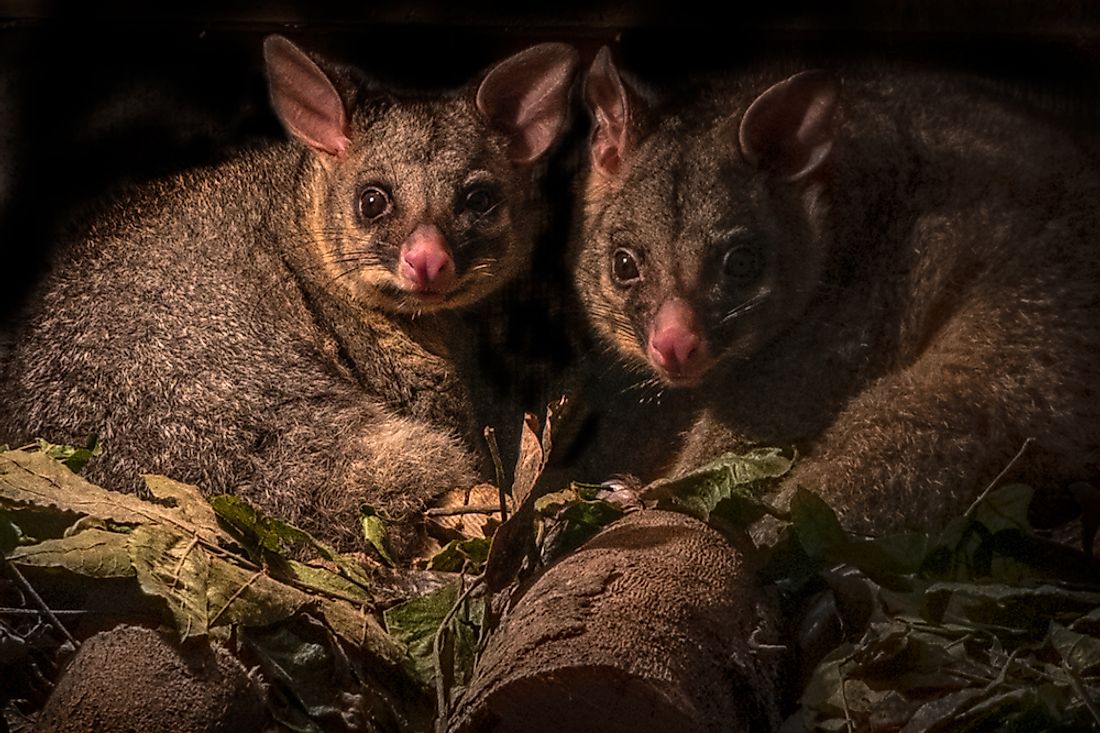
[422, 203]
[701, 235]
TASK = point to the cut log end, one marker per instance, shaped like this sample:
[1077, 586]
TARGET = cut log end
[645, 628]
[133, 679]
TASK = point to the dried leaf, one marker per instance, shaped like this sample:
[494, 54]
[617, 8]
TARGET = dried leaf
[93, 552]
[362, 629]
[193, 508]
[177, 569]
[472, 524]
[202, 590]
[36, 480]
[530, 462]
[1079, 651]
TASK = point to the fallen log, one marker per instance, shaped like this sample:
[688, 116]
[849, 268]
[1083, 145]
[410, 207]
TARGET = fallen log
[133, 679]
[653, 625]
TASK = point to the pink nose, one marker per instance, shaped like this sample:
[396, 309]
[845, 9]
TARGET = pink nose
[675, 346]
[425, 263]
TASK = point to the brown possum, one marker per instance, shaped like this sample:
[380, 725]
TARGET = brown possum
[891, 270]
[287, 325]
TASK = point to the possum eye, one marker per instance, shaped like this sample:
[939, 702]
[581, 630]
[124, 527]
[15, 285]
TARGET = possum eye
[479, 200]
[374, 203]
[625, 267]
[743, 264]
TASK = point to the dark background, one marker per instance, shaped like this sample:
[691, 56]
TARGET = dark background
[98, 95]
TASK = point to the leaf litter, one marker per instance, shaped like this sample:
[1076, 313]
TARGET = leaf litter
[983, 625]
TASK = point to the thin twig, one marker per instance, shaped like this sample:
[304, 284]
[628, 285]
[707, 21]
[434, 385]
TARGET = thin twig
[1003, 674]
[213, 619]
[844, 697]
[759, 646]
[59, 612]
[437, 650]
[40, 603]
[450, 511]
[981, 497]
[183, 558]
[494, 451]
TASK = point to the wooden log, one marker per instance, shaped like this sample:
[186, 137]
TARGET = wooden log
[133, 679]
[645, 628]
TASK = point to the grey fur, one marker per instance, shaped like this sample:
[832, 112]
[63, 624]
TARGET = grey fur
[933, 290]
[227, 327]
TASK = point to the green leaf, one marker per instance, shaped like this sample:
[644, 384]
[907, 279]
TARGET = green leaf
[306, 663]
[374, 531]
[74, 458]
[580, 521]
[9, 533]
[320, 579]
[467, 555]
[1005, 508]
[569, 520]
[816, 526]
[317, 684]
[895, 554]
[723, 492]
[93, 552]
[258, 531]
[416, 622]
[270, 540]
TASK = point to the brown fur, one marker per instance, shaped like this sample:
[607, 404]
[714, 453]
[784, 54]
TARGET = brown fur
[932, 291]
[238, 327]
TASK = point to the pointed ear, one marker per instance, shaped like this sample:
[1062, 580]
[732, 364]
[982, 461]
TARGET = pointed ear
[304, 98]
[527, 97]
[611, 106]
[788, 130]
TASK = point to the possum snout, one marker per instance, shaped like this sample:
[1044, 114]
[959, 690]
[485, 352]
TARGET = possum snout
[677, 349]
[425, 264]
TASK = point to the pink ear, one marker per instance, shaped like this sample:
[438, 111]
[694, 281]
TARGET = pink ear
[527, 97]
[788, 130]
[304, 98]
[610, 106]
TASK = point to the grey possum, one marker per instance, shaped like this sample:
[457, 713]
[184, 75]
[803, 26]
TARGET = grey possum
[893, 270]
[288, 325]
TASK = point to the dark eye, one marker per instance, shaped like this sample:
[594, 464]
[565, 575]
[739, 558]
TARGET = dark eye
[374, 203]
[624, 266]
[743, 264]
[479, 200]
